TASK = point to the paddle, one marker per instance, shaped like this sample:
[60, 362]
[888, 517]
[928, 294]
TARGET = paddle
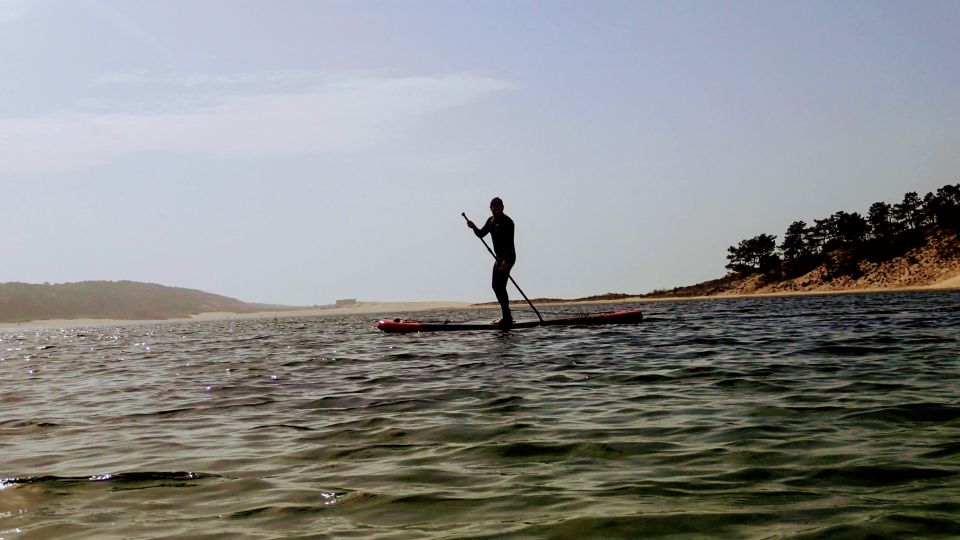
[464, 214]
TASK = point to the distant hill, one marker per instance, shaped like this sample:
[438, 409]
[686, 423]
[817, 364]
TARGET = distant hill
[125, 300]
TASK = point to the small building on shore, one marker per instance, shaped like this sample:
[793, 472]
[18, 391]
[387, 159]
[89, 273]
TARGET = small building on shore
[346, 302]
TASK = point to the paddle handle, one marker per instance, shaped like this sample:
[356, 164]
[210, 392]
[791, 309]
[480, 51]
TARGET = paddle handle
[534, 308]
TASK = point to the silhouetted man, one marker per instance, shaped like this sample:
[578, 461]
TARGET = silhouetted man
[500, 227]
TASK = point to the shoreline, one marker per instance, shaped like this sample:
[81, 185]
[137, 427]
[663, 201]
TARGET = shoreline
[724, 296]
[937, 287]
[361, 308]
[949, 285]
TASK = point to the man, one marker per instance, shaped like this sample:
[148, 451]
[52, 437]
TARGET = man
[500, 227]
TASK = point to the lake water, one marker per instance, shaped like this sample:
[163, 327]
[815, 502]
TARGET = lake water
[802, 417]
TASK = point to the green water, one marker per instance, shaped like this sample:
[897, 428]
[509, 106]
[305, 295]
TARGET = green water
[810, 417]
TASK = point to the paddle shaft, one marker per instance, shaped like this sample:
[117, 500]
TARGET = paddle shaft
[464, 214]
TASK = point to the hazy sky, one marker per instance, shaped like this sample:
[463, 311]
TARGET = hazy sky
[303, 151]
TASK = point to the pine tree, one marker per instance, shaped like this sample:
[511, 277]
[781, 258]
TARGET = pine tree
[755, 255]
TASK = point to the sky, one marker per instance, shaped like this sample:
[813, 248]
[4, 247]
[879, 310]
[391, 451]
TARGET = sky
[300, 152]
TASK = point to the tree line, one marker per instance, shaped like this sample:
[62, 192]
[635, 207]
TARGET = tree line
[842, 239]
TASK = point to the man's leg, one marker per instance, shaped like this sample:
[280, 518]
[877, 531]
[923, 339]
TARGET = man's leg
[500, 290]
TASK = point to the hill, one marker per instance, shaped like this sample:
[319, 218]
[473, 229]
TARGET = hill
[125, 300]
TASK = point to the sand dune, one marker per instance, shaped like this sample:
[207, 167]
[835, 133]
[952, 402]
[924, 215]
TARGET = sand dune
[950, 283]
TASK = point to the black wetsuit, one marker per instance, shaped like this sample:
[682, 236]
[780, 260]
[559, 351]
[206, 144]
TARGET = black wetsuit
[501, 230]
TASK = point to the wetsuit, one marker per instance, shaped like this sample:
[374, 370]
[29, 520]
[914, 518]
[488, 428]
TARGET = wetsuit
[501, 230]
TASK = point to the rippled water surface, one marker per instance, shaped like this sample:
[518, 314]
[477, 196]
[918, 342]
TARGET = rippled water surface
[806, 417]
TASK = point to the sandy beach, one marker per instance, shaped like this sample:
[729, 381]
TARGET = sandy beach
[356, 309]
[951, 283]
[944, 285]
[947, 284]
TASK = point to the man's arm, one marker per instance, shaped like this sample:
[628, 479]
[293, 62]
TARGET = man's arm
[481, 232]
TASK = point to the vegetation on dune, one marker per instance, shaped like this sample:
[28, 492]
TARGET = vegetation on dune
[841, 241]
[909, 243]
[129, 300]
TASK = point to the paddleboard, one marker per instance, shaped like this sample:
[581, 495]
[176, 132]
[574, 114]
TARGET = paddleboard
[630, 316]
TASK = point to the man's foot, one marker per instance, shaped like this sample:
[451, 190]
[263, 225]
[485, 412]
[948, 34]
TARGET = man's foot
[506, 321]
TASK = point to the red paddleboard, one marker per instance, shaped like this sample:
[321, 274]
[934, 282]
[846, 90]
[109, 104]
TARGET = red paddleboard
[630, 316]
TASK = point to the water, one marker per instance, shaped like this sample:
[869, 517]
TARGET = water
[806, 417]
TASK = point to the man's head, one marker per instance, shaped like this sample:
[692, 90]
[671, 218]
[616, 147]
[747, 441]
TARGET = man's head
[496, 206]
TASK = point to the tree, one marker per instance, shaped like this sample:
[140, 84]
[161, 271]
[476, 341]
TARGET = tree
[929, 202]
[851, 229]
[755, 255]
[944, 207]
[880, 221]
[823, 234]
[909, 213]
[797, 249]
